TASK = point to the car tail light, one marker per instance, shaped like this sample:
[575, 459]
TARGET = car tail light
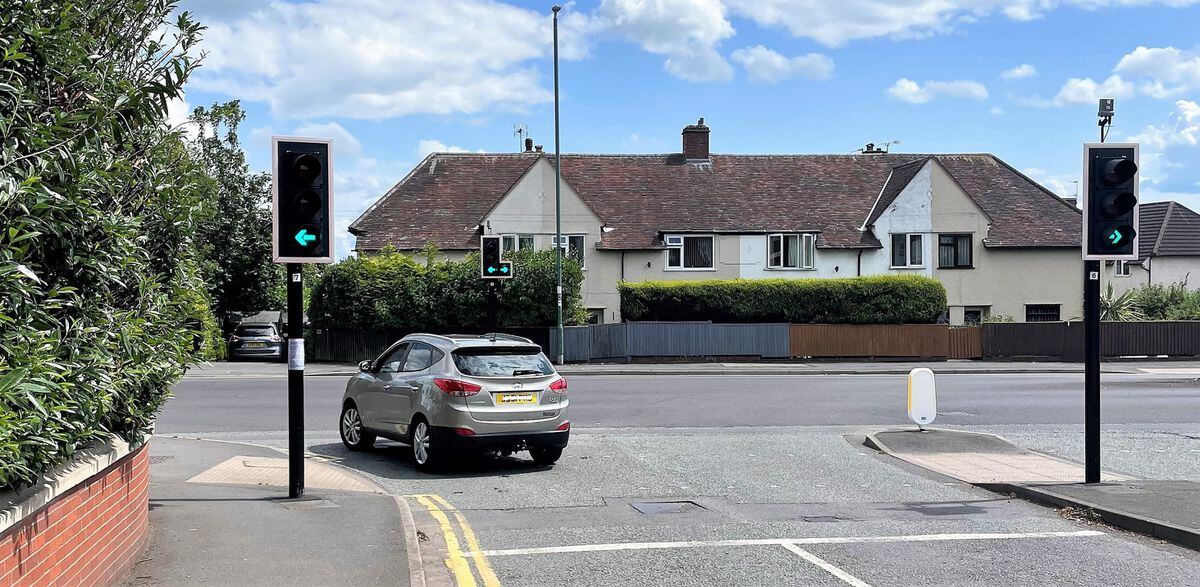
[560, 386]
[464, 432]
[565, 425]
[457, 388]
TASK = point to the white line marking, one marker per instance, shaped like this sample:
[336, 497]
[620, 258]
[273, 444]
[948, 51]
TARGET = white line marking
[827, 566]
[782, 542]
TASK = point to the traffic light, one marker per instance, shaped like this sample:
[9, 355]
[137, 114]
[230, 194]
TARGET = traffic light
[1110, 201]
[302, 201]
[490, 264]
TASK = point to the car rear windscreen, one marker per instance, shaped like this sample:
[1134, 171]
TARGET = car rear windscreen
[255, 331]
[502, 362]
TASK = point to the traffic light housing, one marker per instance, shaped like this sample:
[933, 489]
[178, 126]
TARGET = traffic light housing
[1110, 201]
[491, 266]
[302, 200]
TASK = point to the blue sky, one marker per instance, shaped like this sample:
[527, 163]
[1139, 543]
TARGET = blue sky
[392, 81]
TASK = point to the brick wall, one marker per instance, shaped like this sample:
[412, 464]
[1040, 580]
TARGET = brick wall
[90, 535]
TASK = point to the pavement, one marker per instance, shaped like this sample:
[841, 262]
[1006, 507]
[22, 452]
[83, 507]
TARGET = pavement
[1167, 510]
[950, 367]
[219, 515]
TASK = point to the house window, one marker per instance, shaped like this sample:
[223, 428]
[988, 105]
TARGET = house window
[907, 251]
[1122, 269]
[572, 246]
[1042, 313]
[689, 252]
[954, 251]
[791, 251]
[974, 316]
[516, 242]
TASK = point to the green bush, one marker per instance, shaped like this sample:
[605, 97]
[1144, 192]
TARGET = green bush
[1160, 302]
[97, 199]
[854, 300]
[394, 290]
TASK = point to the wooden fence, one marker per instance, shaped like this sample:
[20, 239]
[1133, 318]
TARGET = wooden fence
[634, 341]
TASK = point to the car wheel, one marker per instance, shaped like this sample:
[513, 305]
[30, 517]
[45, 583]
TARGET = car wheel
[354, 435]
[545, 456]
[425, 454]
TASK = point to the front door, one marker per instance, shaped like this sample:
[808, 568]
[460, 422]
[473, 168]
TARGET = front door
[375, 402]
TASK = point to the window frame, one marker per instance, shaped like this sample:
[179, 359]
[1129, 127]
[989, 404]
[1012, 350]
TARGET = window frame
[908, 251]
[433, 357]
[582, 248]
[681, 248]
[1057, 312]
[806, 257]
[958, 237]
[519, 241]
[1121, 269]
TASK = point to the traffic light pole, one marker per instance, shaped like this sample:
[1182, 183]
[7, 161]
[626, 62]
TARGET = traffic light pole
[295, 358]
[1091, 373]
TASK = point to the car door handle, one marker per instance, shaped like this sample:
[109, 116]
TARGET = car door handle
[414, 386]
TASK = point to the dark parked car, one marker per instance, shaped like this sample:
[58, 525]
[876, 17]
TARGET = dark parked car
[256, 341]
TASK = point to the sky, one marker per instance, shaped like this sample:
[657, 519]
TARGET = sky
[393, 80]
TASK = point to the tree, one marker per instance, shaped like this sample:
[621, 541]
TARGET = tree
[97, 206]
[234, 234]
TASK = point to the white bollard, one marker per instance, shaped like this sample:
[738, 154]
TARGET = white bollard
[922, 397]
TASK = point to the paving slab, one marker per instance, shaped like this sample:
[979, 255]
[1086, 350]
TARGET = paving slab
[1168, 510]
[978, 458]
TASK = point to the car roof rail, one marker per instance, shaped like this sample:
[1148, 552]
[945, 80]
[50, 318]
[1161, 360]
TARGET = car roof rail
[503, 336]
[446, 338]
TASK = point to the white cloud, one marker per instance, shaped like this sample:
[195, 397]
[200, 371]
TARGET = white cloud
[1162, 64]
[427, 146]
[687, 32]
[1170, 155]
[766, 66]
[1021, 71]
[906, 90]
[373, 59]
[1088, 91]
[836, 23]
[995, 111]
[344, 143]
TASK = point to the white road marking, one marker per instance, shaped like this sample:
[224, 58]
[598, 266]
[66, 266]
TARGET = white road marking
[827, 566]
[782, 542]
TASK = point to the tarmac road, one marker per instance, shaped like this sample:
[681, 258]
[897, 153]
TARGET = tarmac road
[762, 480]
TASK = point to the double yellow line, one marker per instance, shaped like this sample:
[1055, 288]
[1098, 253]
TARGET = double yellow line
[456, 560]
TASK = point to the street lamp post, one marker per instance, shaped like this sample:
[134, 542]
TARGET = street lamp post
[558, 197]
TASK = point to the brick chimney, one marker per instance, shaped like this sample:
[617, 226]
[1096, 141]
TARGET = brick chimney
[528, 145]
[695, 142]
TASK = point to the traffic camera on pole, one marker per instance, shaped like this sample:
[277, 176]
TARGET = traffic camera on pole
[491, 266]
[302, 200]
[1110, 201]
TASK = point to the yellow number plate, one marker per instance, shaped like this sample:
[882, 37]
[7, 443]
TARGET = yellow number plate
[516, 398]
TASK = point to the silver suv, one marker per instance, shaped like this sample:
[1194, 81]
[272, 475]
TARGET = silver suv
[450, 395]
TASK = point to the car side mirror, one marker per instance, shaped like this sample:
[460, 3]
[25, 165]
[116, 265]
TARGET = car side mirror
[364, 366]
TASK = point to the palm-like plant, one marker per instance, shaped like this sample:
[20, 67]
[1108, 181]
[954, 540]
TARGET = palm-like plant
[1122, 308]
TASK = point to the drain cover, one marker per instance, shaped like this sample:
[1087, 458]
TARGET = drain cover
[666, 507]
[160, 458]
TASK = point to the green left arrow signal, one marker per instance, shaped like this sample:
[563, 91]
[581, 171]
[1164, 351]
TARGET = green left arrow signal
[304, 238]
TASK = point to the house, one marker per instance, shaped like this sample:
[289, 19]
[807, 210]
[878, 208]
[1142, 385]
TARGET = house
[1168, 249]
[1002, 244]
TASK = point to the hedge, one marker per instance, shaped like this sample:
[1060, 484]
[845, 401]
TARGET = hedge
[98, 202]
[904, 299]
[391, 290]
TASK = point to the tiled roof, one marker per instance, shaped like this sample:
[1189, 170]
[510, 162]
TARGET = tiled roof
[441, 201]
[896, 182]
[1168, 229]
[640, 197]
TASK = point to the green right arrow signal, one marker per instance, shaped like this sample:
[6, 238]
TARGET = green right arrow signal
[1115, 236]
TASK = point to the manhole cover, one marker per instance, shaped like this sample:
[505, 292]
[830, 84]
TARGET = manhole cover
[666, 507]
[160, 458]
